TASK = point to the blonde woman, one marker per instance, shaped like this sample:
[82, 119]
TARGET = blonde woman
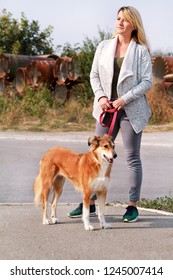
[122, 72]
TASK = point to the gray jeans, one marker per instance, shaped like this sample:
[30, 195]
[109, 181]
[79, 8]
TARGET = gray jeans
[132, 144]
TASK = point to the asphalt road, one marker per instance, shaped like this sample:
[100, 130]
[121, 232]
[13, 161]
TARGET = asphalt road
[24, 237]
[20, 153]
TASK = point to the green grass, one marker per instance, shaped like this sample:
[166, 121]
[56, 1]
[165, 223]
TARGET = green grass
[41, 110]
[161, 203]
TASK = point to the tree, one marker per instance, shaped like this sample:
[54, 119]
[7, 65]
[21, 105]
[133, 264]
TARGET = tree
[24, 37]
[85, 54]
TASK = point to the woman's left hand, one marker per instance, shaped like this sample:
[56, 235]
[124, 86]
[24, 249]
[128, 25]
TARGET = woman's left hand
[119, 103]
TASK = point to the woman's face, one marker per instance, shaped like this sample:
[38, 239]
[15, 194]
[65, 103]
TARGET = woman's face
[123, 27]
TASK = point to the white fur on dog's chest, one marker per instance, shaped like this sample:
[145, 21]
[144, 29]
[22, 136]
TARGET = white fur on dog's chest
[101, 181]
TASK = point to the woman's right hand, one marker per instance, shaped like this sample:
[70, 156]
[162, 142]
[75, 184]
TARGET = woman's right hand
[104, 103]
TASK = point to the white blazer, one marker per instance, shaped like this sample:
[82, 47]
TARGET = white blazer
[135, 79]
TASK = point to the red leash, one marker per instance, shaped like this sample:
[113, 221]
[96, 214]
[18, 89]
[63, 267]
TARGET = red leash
[112, 115]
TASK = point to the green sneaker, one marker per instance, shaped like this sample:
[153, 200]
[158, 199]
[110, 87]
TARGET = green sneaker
[131, 214]
[77, 213]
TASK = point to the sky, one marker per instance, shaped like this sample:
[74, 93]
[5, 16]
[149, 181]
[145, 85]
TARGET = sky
[74, 20]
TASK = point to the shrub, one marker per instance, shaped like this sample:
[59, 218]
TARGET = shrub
[37, 102]
[40, 110]
[161, 104]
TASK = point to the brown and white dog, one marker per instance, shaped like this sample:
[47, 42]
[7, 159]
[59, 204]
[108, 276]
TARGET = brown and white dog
[88, 172]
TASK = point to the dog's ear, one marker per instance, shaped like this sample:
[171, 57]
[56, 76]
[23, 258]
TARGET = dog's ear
[93, 141]
[109, 137]
[112, 139]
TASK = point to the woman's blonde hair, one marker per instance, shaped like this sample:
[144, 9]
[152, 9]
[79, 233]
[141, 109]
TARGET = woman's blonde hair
[133, 16]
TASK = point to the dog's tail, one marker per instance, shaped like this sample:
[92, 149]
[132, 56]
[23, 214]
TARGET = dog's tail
[37, 189]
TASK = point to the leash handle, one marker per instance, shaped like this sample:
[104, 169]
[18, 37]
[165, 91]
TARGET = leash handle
[102, 115]
[112, 119]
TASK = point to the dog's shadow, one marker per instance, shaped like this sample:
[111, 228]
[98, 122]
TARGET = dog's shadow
[145, 221]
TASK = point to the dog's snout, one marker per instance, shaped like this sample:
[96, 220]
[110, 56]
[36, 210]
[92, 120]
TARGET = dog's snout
[115, 155]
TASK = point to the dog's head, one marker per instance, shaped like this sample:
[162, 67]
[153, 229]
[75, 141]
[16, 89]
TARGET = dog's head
[104, 146]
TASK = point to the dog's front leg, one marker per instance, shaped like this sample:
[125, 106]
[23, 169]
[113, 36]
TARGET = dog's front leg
[85, 216]
[101, 197]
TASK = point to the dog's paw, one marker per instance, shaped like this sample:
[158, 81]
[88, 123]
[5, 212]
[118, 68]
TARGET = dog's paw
[105, 226]
[89, 227]
[55, 220]
[46, 222]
